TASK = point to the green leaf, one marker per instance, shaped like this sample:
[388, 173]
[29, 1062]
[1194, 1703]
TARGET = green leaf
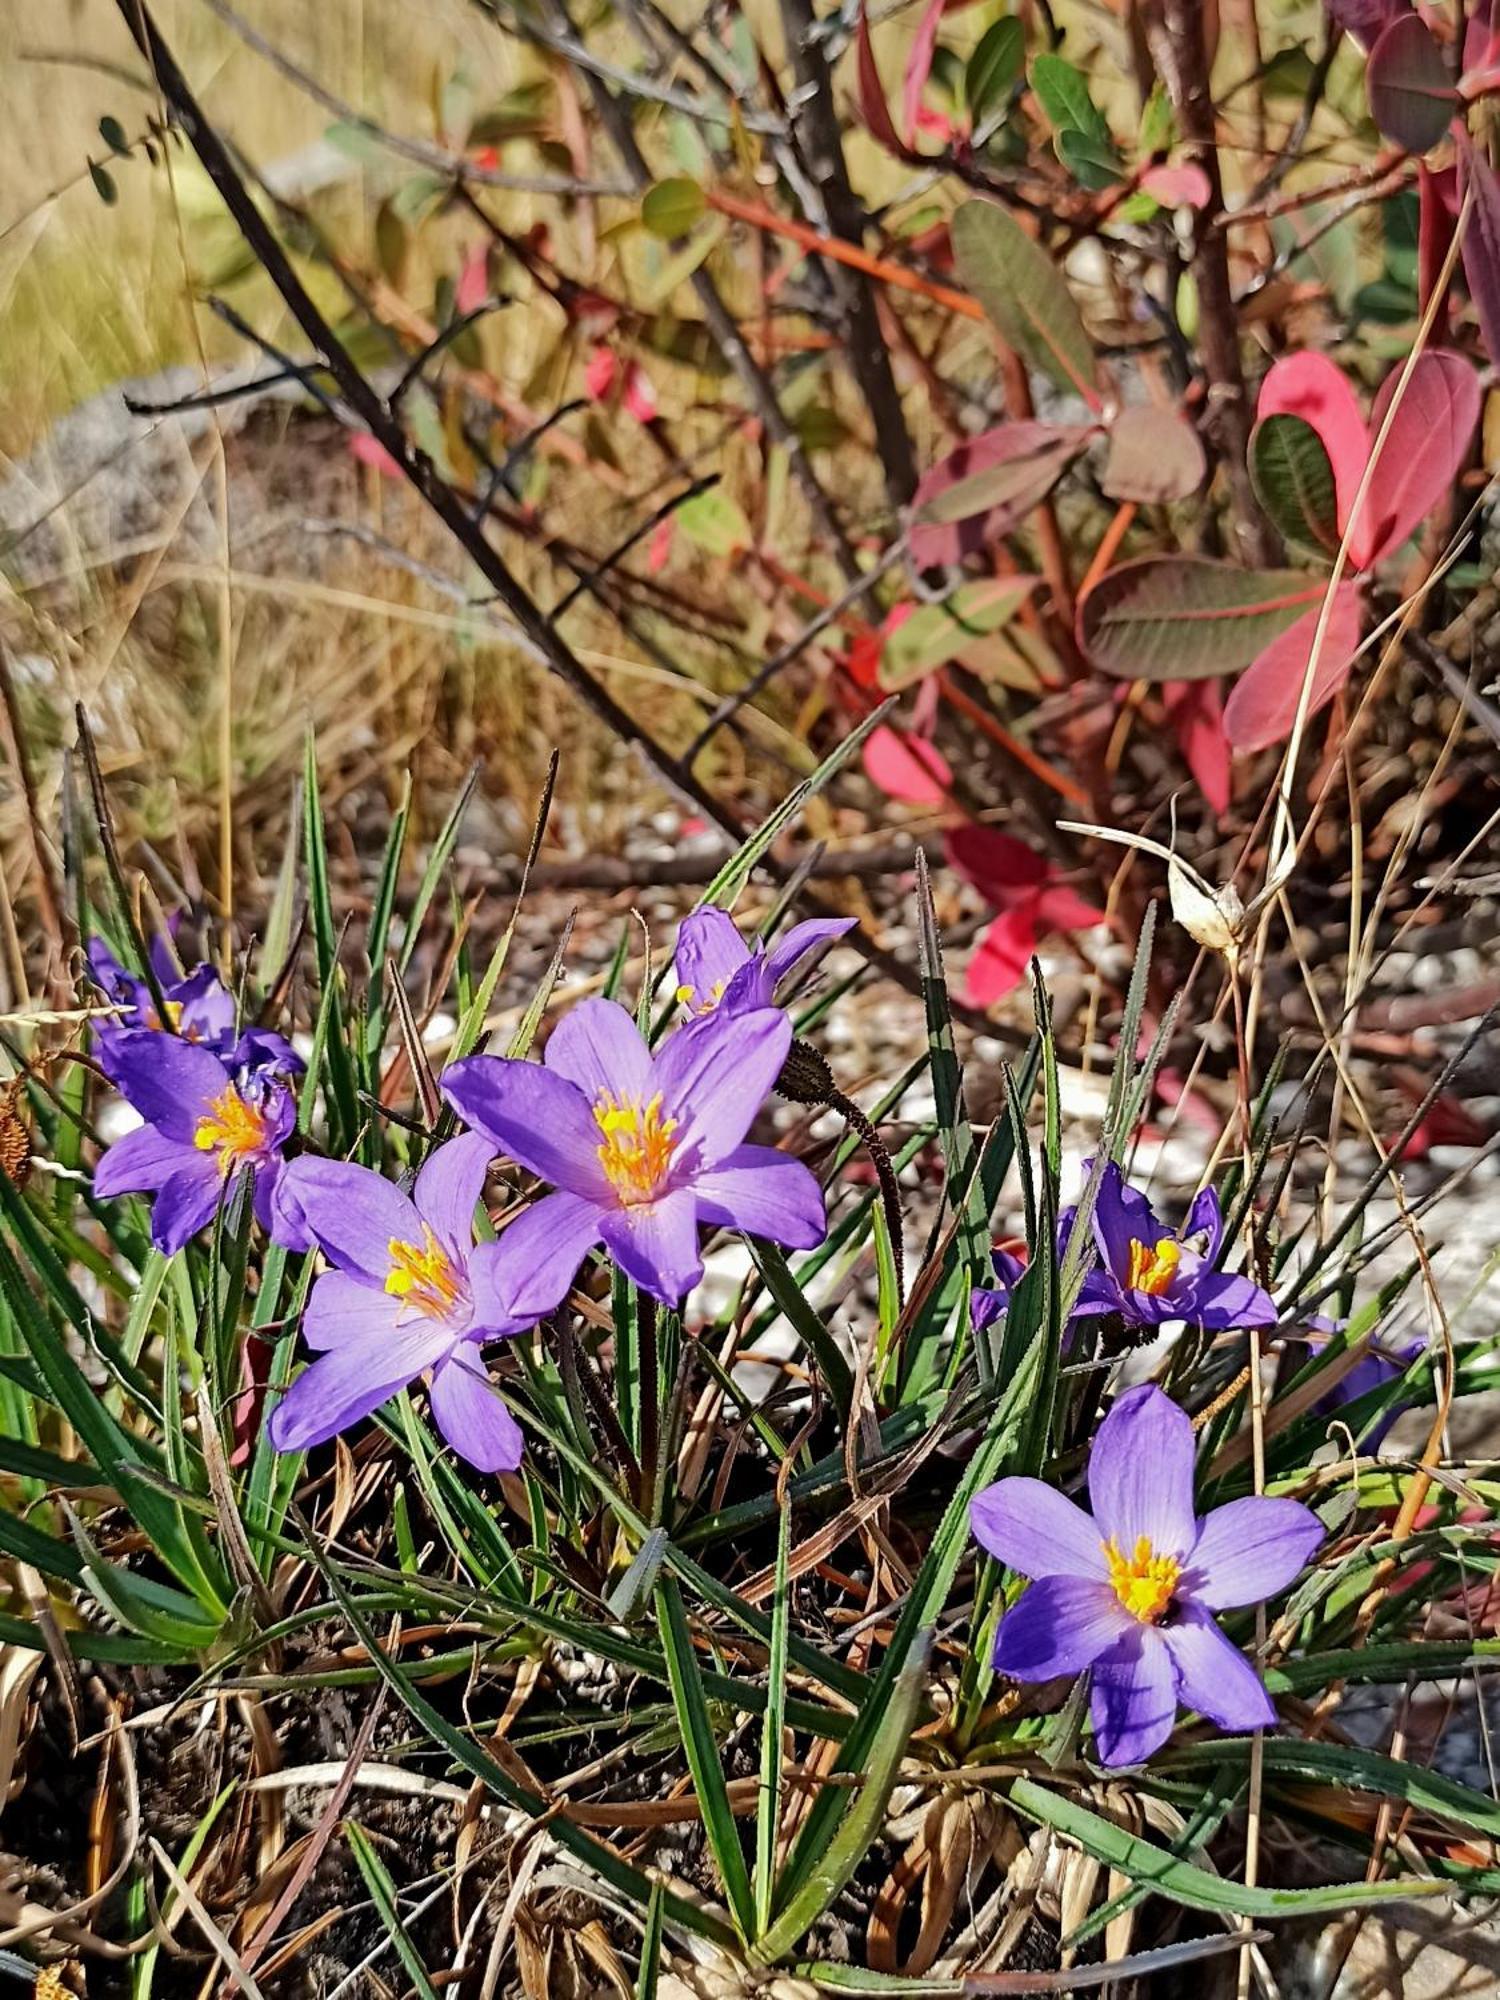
[803, 1318]
[995, 65]
[112, 132]
[104, 184]
[1164, 618]
[703, 1757]
[1063, 93]
[1092, 162]
[1180, 1882]
[1294, 483]
[715, 523]
[383, 1895]
[1024, 295]
[1340, 1765]
[937, 633]
[671, 208]
[768, 1802]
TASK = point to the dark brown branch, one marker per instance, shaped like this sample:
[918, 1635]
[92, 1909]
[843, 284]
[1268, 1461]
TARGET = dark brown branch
[823, 148]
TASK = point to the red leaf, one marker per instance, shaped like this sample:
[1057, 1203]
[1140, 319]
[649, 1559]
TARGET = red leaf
[919, 66]
[1412, 98]
[998, 865]
[906, 768]
[1482, 40]
[1310, 386]
[1482, 243]
[1263, 705]
[473, 286]
[1364, 19]
[1197, 712]
[872, 105]
[1437, 213]
[1001, 956]
[639, 394]
[659, 548]
[1425, 448]
[599, 375]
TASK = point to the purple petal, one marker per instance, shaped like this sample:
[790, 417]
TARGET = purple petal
[598, 1047]
[1134, 1699]
[1250, 1550]
[710, 951]
[208, 1013]
[656, 1243]
[1221, 1302]
[800, 941]
[764, 1193]
[340, 1308]
[986, 1304]
[1213, 1676]
[1059, 1626]
[1206, 1219]
[170, 1082]
[286, 1223]
[1032, 1528]
[714, 1075]
[1122, 1216]
[532, 1115]
[529, 1271]
[1141, 1474]
[263, 1052]
[144, 1158]
[352, 1214]
[186, 1204]
[472, 1417]
[448, 1191]
[350, 1381]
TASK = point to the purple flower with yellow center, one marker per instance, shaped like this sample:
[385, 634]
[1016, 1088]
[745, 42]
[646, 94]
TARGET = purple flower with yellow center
[640, 1147]
[716, 968]
[1132, 1591]
[1149, 1274]
[410, 1293]
[195, 1005]
[205, 1127]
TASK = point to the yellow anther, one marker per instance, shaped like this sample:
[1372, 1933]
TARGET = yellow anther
[637, 1148]
[1144, 1582]
[1153, 1266]
[231, 1128]
[422, 1275]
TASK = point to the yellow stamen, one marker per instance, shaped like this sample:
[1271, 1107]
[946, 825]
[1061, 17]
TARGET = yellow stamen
[1154, 1266]
[172, 1010]
[231, 1128]
[685, 995]
[423, 1275]
[1143, 1582]
[637, 1148]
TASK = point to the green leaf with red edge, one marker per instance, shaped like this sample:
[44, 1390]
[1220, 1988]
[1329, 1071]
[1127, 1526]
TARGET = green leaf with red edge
[1024, 295]
[1411, 94]
[987, 486]
[1294, 482]
[1185, 618]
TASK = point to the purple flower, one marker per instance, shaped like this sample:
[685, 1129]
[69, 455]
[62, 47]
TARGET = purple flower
[1379, 1367]
[642, 1148]
[1132, 1591]
[1148, 1274]
[199, 1008]
[716, 968]
[410, 1292]
[987, 1302]
[204, 1127]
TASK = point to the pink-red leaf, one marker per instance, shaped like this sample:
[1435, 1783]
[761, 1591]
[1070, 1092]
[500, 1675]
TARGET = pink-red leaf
[1411, 95]
[1001, 956]
[1177, 187]
[1309, 386]
[981, 491]
[906, 768]
[872, 105]
[1196, 709]
[919, 66]
[1424, 451]
[1482, 244]
[1060, 908]
[1263, 704]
